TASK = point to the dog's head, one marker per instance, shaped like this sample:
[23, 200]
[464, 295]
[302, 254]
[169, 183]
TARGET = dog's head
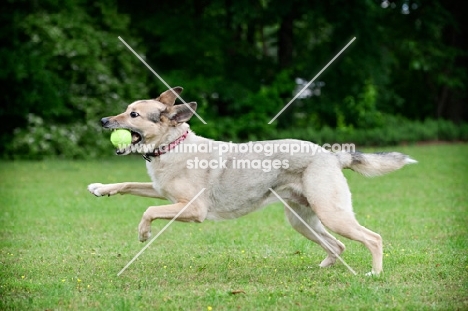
[152, 122]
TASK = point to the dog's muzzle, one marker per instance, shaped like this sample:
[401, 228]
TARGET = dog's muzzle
[107, 123]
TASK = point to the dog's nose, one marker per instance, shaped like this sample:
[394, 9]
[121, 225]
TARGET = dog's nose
[104, 121]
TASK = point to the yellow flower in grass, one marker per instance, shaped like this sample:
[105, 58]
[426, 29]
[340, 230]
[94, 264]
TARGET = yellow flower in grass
[209, 308]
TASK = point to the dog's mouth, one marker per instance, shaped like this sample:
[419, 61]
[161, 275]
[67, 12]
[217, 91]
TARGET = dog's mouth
[136, 138]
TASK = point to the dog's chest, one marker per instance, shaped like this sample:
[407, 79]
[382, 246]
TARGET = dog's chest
[161, 175]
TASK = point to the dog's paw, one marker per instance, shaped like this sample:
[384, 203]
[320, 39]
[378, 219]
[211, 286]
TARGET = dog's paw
[327, 262]
[144, 235]
[100, 190]
[372, 274]
[144, 230]
[94, 189]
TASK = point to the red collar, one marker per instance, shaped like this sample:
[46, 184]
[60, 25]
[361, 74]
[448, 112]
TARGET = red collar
[165, 148]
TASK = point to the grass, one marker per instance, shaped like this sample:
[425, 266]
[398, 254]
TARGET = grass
[61, 247]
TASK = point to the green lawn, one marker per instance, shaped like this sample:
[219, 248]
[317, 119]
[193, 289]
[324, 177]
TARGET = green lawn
[61, 247]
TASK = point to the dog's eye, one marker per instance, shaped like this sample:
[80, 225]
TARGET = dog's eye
[134, 114]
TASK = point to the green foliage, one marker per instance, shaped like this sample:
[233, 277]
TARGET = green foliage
[393, 131]
[69, 69]
[239, 60]
[38, 140]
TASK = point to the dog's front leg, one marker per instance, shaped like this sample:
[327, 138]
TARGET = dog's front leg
[135, 188]
[193, 213]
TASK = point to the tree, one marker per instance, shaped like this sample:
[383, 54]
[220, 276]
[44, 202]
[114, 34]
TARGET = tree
[65, 65]
[240, 60]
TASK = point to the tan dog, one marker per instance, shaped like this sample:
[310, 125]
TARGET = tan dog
[312, 183]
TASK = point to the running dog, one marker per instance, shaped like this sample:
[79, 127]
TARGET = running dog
[311, 183]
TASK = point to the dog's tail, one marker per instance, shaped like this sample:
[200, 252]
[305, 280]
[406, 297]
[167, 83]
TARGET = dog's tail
[374, 164]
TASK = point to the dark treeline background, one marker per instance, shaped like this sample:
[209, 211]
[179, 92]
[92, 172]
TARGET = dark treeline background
[63, 68]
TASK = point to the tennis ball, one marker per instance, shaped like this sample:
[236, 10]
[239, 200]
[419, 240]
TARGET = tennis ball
[121, 137]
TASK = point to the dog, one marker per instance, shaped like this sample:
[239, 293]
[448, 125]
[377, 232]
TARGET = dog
[311, 184]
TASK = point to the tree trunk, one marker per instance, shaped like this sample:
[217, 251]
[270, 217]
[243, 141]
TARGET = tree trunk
[285, 41]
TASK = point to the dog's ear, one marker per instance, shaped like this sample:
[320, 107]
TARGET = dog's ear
[168, 97]
[181, 113]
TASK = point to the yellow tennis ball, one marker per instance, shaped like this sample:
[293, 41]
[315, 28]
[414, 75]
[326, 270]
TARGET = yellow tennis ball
[121, 137]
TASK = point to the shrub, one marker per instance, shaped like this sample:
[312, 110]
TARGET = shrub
[74, 141]
[78, 141]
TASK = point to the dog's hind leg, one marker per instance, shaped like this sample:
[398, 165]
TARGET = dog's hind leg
[346, 225]
[319, 235]
[327, 192]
